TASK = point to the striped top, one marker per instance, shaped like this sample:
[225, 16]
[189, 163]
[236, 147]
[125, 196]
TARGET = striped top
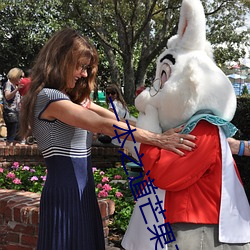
[55, 137]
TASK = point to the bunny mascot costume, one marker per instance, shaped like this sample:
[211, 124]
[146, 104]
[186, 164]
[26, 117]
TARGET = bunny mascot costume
[196, 201]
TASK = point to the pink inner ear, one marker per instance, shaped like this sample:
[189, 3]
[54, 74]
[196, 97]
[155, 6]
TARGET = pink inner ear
[164, 78]
[184, 28]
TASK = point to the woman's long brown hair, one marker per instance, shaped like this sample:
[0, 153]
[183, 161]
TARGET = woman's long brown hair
[54, 68]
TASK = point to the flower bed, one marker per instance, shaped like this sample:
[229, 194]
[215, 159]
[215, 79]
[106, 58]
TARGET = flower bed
[111, 184]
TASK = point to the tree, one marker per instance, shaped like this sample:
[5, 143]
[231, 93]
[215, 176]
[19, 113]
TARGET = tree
[244, 90]
[134, 32]
[246, 3]
[129, 34]
[223, 19]
[25, 26]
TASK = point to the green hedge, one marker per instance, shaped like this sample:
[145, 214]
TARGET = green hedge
[242, 121]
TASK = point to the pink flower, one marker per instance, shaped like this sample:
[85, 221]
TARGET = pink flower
[107, 187]
[94, 170]
[15, 165]
[117, 177]
[102, 173]
[99, 185]
[26, 168]
[32, 170]
[43, 178]
[105, 179]
[11, 175]
[1, 170]
[102, 193]
[34, 178]
[130, 178]
[17, 181]
[118, 194]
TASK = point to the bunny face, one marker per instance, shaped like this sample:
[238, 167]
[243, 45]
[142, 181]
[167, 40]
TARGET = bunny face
[187, 80]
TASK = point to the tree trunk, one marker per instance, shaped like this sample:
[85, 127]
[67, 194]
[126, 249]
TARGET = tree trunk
[129, 81]
[141, 74]
[114, 71]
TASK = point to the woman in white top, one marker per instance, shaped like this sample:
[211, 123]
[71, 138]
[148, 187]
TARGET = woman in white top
[119, 103]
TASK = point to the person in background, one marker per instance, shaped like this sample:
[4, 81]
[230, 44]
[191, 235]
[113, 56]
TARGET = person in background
[11, 104]
[112, 91]
[62, 79]
[119, 103]
[239, 147]
[25, 82]
[1, 100]
[1, 89]
[139, 90]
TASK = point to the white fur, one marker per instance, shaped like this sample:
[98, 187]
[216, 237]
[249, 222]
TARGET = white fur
[195, 83]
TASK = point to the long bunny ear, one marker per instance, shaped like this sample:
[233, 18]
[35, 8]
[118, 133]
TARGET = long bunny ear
[192, 26]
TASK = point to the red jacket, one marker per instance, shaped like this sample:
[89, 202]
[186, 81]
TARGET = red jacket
[193, 182]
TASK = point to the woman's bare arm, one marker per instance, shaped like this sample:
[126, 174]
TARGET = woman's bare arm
[103, 112]
[235, 146]
[103, 122]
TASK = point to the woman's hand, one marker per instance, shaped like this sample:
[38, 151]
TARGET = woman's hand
[235, 146]
[20, 86]
[173, 141]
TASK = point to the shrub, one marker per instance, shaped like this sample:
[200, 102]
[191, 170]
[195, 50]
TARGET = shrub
[24, 178]
[133, 111]
[111, 184]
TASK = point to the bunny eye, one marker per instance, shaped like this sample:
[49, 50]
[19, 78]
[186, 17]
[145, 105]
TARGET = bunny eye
[165, 73]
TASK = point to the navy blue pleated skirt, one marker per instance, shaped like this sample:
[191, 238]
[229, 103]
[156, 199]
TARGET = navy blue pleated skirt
[69, 213]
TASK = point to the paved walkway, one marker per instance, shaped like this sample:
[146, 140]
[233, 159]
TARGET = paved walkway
[112, 248]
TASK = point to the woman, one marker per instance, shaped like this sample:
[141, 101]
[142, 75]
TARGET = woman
[239, 147]
[121, 109]
[11, 104]
[113, 92]
[62, 79]
[25, 82]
